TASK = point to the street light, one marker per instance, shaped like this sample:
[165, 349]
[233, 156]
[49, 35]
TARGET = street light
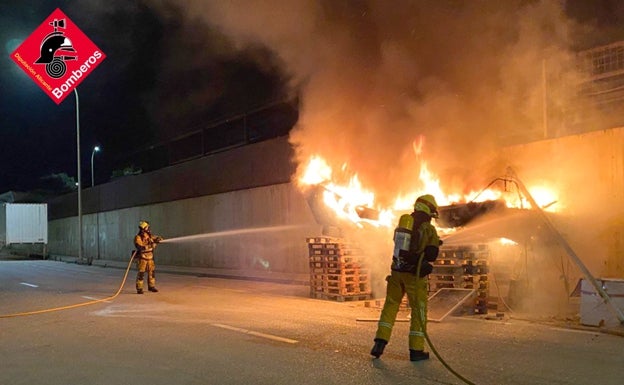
[95, 149]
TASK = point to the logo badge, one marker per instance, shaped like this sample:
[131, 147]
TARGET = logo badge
[57, 56]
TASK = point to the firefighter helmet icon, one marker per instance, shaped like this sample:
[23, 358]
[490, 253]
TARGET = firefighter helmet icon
[54, 49]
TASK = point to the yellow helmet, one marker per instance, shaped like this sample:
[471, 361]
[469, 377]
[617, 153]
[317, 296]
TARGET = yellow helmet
[143, 225]
[427, 204]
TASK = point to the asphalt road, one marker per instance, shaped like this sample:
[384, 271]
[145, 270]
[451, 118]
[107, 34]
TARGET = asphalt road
[202, 330]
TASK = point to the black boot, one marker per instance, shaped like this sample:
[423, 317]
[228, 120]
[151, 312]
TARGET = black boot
[379, 347]
[153, 290]
[418, 355]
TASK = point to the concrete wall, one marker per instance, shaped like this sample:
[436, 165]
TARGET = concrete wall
[237, 191]
[587, 172]
[259, 228]
[260, 164]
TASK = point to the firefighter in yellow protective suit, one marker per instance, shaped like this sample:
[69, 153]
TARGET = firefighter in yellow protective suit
[145, 244]
[415, 240]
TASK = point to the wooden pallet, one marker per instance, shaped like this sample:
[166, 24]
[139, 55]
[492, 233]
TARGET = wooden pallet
[331, 245]
[334, 258]
[335, 270]
[334, 265]
[463, 253]
[325, 240]
[449, 262]
[317, 280]
[342, 297]
[340, 277]
[333, 252]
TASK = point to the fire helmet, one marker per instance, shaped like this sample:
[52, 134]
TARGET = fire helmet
[427, 204]
[144, 225]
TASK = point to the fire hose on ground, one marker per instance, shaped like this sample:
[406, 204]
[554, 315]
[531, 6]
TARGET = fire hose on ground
[423, 323]
[123, 282]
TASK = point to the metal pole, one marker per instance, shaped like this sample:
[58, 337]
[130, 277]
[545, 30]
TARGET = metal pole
[79, 178]
[544, 100]
[97, 231]
[92, 178]
[568, 249]
[95, 149]
[97, 214]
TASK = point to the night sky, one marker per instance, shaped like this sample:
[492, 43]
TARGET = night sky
[167, 72]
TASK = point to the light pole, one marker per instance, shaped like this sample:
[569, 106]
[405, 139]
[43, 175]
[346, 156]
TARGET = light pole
[95, 149]
[97, 215]
[78, 175]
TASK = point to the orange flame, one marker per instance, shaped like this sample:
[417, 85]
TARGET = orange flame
[346, 198]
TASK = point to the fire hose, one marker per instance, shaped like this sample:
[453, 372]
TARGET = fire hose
[123, 281]
[423, 323]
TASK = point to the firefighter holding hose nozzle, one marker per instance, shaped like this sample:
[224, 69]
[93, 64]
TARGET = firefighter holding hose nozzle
[145, 243]
[415, 239]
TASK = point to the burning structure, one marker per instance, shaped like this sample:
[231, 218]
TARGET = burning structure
[511, 240]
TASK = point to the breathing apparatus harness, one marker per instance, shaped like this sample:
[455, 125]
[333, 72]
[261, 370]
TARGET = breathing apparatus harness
[406, 238]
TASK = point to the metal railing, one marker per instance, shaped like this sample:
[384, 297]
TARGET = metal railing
[267, 122]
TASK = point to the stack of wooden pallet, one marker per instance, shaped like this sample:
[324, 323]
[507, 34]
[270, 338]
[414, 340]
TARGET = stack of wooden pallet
[336, 271]
[464, 267]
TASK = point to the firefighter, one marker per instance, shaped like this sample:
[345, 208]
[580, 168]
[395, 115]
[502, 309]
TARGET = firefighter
[415, 240]
[145, 244]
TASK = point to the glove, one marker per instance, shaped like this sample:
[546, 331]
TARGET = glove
[431, 253]
[158, 239]
[425, 269]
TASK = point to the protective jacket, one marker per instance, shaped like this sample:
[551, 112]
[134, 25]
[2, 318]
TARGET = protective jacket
[145, 244]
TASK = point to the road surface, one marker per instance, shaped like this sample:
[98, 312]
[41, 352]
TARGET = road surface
[202, 330]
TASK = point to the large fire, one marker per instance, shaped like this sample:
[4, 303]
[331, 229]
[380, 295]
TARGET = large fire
[345, 194]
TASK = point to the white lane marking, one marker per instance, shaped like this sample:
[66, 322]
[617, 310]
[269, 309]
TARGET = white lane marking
[123, 311]
[257, 334]
[93, 298]
[575, 331]
[28, 284]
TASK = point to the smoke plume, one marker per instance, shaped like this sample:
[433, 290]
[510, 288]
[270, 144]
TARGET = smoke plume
[374, 76]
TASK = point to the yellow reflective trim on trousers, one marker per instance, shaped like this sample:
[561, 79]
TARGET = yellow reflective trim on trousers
[415, 333]
[385, 325]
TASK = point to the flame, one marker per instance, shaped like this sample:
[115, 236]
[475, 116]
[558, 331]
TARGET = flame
[545, 197]
[347, 197]
[343, 199]
[317, 172]
[507, 242]
[418, 145]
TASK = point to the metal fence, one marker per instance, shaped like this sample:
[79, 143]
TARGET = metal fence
[254, 126]
[597, 102]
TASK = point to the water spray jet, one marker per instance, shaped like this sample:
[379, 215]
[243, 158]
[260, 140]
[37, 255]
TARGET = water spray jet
[229, 233]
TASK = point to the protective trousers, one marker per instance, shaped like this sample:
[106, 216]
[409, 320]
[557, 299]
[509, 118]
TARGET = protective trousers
[399, 284]
[146, 265]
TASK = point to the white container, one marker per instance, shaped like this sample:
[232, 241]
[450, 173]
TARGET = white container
[23, 223]
[594, 310]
